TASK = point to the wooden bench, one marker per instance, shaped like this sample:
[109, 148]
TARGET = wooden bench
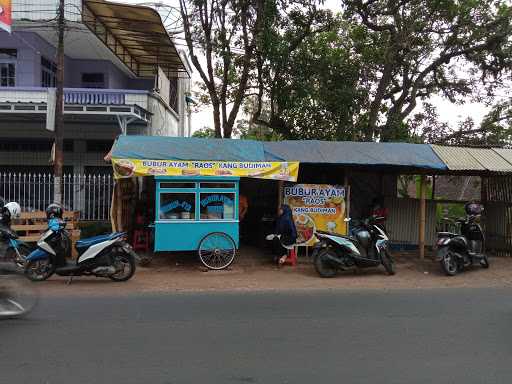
[31, 225]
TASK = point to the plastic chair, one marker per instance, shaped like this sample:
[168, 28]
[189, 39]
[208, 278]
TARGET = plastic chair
[292, 256]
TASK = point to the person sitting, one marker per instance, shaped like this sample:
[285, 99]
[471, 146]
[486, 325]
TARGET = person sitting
[285, 228]
[378, 211]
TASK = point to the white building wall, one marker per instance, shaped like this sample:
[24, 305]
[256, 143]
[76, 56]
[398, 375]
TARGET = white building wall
[164, 121]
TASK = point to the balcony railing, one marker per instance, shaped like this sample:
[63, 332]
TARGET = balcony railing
[77, 96]
[94, 97]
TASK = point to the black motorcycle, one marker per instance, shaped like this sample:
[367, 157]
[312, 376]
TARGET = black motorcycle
[367, 246]
[456, 251]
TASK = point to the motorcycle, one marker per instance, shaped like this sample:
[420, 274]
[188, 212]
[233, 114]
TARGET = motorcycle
[366, 246]
[17, 295]
[108, 256]
[457, 251]
[13, 248]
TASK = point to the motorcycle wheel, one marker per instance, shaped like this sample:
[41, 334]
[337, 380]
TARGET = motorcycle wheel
[449, 263]
[388, 263]
[322, 265]
[19, 260]
[125, 266]
[484, 262]
[39, 270]
[17, 296]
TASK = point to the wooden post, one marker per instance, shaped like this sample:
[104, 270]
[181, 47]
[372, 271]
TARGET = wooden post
[433, 197]
[421, 240]
[347, 195]
[280, 186]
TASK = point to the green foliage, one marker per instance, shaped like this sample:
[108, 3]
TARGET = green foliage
[361, 74]
[204, 133]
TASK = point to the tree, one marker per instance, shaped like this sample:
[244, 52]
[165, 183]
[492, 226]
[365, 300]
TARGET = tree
[204, 133]
[226, 31]
[308, 80]
[494, 130]
[413, 49]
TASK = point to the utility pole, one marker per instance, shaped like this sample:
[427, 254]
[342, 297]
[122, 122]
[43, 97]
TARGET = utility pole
[59, 110]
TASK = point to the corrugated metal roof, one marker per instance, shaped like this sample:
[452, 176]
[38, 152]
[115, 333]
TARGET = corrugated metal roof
[457, 158]
[505, 153]
[490, 159]
[475, 159]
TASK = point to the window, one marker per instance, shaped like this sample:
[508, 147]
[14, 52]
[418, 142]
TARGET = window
[217, 206]
[99, 146]
[7, 74]
[93, 80]
[48, 73]
[177, 185]
[8, 67]
[31, 145]
[177, 206]
[8, 54]
[217, 185]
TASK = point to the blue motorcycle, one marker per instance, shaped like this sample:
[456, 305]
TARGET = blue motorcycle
[107, 256]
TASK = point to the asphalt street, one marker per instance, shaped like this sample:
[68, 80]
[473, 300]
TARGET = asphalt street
[420, 336]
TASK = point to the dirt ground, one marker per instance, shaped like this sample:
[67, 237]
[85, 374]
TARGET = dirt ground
[253, 271]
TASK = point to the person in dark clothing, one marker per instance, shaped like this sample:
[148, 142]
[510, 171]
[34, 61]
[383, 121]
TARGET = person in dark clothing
[285, 227]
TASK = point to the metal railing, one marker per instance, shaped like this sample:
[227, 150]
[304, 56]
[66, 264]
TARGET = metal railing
[91, 195]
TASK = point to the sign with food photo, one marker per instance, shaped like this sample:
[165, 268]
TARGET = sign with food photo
[285, 171]
[316, 207]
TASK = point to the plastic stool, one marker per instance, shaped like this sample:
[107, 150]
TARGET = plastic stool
[141, 240]
[292, 257]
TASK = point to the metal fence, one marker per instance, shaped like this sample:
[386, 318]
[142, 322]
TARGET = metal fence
[91, 195]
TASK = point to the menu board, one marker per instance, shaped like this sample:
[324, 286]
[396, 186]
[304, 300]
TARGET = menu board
[316, 207]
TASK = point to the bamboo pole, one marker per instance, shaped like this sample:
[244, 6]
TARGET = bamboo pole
[421, 235]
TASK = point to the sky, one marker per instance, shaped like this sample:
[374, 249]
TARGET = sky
[451, 113]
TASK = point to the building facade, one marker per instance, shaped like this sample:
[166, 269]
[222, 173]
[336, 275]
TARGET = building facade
[122, 75]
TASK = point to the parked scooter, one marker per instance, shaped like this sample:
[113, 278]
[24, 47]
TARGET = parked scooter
[456, 251]
[13, 248]
[108, 256]
[367, 246]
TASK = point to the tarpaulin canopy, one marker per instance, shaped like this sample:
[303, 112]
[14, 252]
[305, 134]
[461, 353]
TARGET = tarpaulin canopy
[179, 148]
[355, 153]
[171, 156]
[399, 155]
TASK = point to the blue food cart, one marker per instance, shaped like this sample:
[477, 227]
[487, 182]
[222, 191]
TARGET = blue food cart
[198, 213]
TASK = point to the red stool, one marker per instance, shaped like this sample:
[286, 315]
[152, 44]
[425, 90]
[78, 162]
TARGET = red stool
[292, 257]
[141, 240]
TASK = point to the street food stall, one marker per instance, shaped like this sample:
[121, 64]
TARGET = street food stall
[196, 200]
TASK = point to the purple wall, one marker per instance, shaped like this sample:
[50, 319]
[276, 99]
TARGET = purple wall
[28, 67]
[30, 48]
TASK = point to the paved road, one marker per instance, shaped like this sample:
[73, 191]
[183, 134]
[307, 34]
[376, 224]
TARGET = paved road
[445, 336]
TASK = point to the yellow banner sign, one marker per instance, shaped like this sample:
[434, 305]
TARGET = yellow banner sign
[316, 207]
[286, 171]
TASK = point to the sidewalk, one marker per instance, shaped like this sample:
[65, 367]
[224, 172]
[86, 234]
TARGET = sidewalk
[252, 272]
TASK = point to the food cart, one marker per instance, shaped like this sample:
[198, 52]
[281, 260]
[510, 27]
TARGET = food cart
[198, 213]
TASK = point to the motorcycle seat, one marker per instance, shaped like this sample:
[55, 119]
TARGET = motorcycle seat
[86, 243]
[447, 234]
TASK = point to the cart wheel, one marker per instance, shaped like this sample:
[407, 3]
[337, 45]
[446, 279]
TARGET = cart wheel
[217, 250]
